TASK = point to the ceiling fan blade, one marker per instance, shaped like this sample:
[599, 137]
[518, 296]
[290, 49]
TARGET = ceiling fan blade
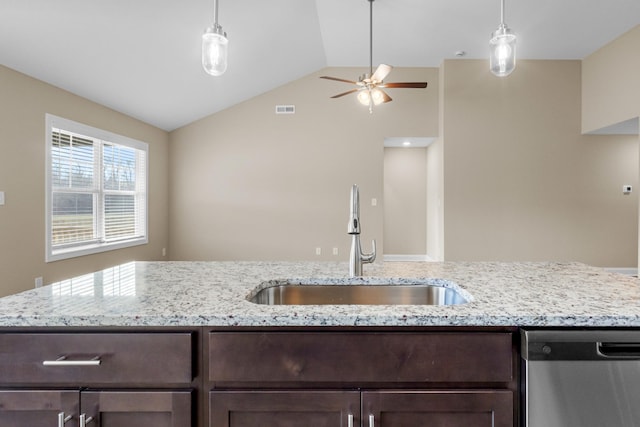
[345, 93]
[415, 85]
[338, 80]
[382, 71]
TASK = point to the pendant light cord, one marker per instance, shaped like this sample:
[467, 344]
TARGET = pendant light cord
[501, 12]
[215, 13]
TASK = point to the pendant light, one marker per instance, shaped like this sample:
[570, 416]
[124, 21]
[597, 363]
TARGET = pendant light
[502, 46]
[214, 47]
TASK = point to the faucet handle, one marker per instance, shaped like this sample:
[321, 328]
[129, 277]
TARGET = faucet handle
[369, 258]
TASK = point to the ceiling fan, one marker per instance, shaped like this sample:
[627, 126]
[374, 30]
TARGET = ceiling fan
[370, 84]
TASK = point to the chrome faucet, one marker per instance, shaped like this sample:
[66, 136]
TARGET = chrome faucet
[356, 257]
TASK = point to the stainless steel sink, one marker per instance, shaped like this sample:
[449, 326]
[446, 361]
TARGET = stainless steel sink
[379, 293]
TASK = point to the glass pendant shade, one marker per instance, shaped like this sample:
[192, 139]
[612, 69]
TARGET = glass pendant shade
[364, 97]
[377, 96]
[214, 50]
[502, 59]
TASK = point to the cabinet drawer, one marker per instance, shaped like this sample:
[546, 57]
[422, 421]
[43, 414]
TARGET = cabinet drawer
[95, 358]
[365, 357]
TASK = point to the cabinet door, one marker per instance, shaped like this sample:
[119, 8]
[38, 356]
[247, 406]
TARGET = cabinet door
[38, 408]
[474, 408]
[136, 408]
[284, 409]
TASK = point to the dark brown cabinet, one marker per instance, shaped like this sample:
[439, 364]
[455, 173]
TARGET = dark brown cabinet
[97, 379]
[35, 408]
[450, 408]
[103, 358]
[284, 408]
[361, 379]
[398, 408]
[253, 377]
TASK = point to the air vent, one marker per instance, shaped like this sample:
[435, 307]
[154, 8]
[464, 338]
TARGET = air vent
[285, 109]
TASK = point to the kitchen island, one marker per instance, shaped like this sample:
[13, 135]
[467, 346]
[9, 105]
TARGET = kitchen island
[216, 294]
[179, 344]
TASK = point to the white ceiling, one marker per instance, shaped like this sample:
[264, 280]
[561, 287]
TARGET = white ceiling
[142, 57]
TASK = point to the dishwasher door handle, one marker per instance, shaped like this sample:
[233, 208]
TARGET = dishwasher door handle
[619, 350]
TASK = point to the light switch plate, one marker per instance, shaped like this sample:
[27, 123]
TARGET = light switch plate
[1, 198]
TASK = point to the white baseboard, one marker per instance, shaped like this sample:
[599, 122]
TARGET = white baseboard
[409, 258]
[627, 271]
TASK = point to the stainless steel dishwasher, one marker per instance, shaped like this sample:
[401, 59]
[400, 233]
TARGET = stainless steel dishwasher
[581, 378]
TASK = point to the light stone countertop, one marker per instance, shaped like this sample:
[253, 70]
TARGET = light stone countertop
[215, 294]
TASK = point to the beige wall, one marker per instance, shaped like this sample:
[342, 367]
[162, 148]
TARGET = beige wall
[23, 105]
[610, 89]
[405, 201]
[520, 181]
[247, 184]
[611, 84]
[509, 178]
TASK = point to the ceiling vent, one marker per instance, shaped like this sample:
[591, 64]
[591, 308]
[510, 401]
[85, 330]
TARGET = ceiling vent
[285, 109]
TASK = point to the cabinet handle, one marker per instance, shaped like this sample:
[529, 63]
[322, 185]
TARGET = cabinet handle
[62, 361]
[84, 420]
[372, 420]
[350, 420]
[62, 419]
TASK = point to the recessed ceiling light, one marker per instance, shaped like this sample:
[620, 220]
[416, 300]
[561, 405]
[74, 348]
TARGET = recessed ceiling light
[406, 143]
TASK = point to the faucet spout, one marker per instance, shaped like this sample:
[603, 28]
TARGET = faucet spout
[354, 213]
[356, 256]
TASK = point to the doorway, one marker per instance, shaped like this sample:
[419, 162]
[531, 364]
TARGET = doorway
[405, 199]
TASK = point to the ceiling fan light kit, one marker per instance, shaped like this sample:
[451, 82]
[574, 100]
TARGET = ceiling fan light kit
[215, 47]
[502, 48]
[370, 85]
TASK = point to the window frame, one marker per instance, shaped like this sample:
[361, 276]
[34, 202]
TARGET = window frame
[60, 252]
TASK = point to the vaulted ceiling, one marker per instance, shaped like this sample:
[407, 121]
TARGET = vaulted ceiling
[142, 57]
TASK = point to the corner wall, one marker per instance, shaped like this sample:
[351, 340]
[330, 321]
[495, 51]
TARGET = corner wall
[521, 182]
[435, 181]
[610, 88]
[23, 105]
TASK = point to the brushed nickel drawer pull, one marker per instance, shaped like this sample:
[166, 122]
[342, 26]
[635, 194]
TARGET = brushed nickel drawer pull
[62, 419]
[350, 420]
[84, 420]
[62, 361]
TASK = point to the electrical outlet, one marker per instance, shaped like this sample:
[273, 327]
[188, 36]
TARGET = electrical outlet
[335, 251]
[318, 251]
[164, 251]
[39, 282]
[1, 198]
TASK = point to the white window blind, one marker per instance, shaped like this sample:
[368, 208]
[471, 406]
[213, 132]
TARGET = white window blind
[96, 190]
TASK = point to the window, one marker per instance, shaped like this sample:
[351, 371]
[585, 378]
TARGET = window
[96, 190]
